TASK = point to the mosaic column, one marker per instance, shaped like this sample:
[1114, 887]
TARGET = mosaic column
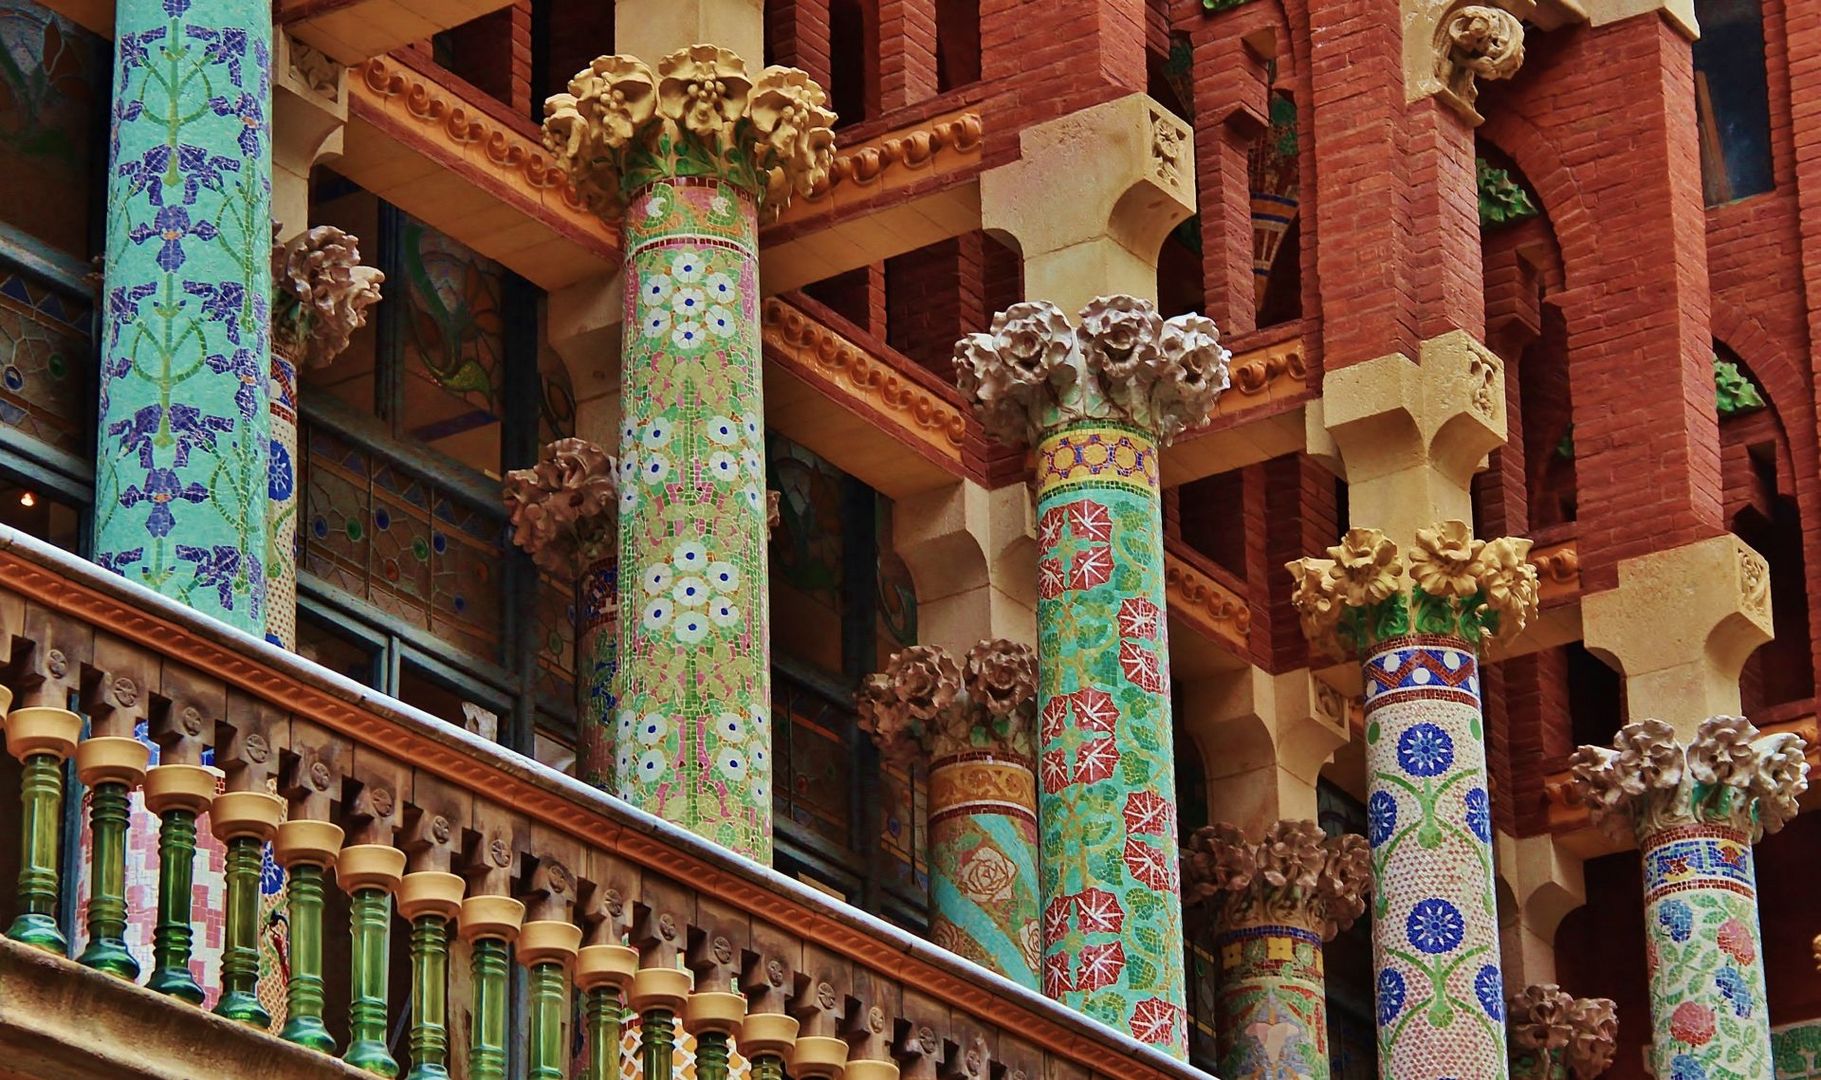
[684, 158]
[973, 725]
[1555, 1036]
[184, 424]
[1097, 403]
[564, 513]
[1274, 903]
[320, 296]
[1435, 943]
[1695, 810]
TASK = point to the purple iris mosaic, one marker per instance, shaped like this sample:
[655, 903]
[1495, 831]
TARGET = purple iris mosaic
[182, 470]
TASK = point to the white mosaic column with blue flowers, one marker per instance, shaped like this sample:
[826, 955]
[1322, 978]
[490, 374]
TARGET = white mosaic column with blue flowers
[184, 428]
[1435, 943]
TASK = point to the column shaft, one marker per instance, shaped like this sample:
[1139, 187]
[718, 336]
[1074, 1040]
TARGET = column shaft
[694, 648]
[596, 661]
[1112, 915]
[1434, 917]
[183, 424]
[983, 862]
[1271, 1010]
[1707, 997]
[281, 506]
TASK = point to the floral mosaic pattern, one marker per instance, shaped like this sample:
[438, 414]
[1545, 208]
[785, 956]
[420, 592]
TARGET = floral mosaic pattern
[1112, 921]
[1440, 996]
[1272, 1004]
[1704, 954]
[983, 869]
[1796, 1050]
[694, 719]
[181, 472]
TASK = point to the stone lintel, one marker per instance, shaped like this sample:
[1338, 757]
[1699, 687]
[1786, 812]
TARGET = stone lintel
[1680, 626]
[1264, 739]
[1679, 13]
[1092, 226]
[1411, 435]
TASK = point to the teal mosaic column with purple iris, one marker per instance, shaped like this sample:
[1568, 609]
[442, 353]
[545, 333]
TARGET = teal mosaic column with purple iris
[183, 425]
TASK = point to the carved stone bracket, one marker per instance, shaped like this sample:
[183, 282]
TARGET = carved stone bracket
[1727, 775]
[1450, 45]
[925, 705]
[1295, 874]
[1125, 362]
[1552, 1031]
[320, 294]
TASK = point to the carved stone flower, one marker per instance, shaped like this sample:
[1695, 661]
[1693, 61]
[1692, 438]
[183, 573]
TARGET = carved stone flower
[618, 95]
[564, 510]
[1539, 1018]
[1780, 781]
[1317, 602]
[703, 88]
[1594, 1041]
[1366, 567]
[911, 704]
[1442, 562]
[1119, 337]
[1000, 676]
[1722, 751]
[1509, 581]
[1034, 341]
[1013, 374]
[1294, 873]
[320, 294]
[1198, 372]
[926, 680]
[899, 737]
[789, 112]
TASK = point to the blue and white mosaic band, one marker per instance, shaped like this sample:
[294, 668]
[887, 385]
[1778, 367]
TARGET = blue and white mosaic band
[1440, 996]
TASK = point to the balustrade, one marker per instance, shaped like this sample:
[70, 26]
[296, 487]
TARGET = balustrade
[485, 858]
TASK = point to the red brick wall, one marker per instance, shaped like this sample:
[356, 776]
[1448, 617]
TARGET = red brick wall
[796, 35]
[933, 296]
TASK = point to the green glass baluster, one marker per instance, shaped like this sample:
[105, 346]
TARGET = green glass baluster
[549, 1004]
[239, 950]
[711, 1055]
[601, 1021]
[304, 992]
[657, 1042]
[371, 919]
[107, 949]
[172, 936]
[41, 803]
[487, 1051]
[767, 1067]
[429, 998]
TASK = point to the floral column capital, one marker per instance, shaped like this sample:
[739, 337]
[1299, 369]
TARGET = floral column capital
[1294, 875]
[1728, 775]
[1035, 370]
[320, 294]
[565, 509]
[1449, 583]
[924, 705]
[1555, 1034]
[701, 113]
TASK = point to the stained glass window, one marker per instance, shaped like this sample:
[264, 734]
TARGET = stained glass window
[45, 357]
[53, 78]
[451, 340]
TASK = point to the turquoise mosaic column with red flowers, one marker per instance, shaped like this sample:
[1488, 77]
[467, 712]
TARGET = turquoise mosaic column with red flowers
[1696, 809]
[683, 158]
[1439, 992]
[1097, 404]
[184, 429]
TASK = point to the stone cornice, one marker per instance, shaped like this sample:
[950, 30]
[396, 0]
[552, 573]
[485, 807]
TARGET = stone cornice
[1213, 608]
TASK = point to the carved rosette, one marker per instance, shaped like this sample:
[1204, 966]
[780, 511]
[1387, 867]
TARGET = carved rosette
[926, 706]
[1295, 875]
[1476, 41]
[1728, 775]
[701, 113]
[1556, 1035]
[1449, 583]
[320, 294]
[1035, 371]
[565, 509]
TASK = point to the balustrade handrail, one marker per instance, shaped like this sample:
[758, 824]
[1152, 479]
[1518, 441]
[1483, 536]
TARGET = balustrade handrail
[673, 869]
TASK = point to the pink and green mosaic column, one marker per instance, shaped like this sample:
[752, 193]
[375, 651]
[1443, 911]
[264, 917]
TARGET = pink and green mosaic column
[684, 157]
[972, 723]
[1097, 404]
[1435, 943]
[1695, 809]
[1271, 1011]
[183, 424]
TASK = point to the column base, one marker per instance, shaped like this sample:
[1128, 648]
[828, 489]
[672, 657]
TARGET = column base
[110, 955]
[177, 983]
[308, 1031]
[244, 1006]
[40, 932]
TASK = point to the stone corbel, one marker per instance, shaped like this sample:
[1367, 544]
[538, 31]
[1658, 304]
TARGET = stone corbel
[1102, 238]
[1450, 44]
[1547, 883]
[973, 555]
[1390, 419]
[309, 116]
[1680, 626]
[1264, 739]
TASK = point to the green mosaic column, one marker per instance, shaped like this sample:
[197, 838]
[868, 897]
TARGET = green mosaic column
[1097, 405]
[683, 157]
[183, 426]
[973, 723]
[1696, 807]
[1270, 1015]
[1556, 1036]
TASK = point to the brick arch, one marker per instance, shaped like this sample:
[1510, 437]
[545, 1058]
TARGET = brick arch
[1558, 195]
